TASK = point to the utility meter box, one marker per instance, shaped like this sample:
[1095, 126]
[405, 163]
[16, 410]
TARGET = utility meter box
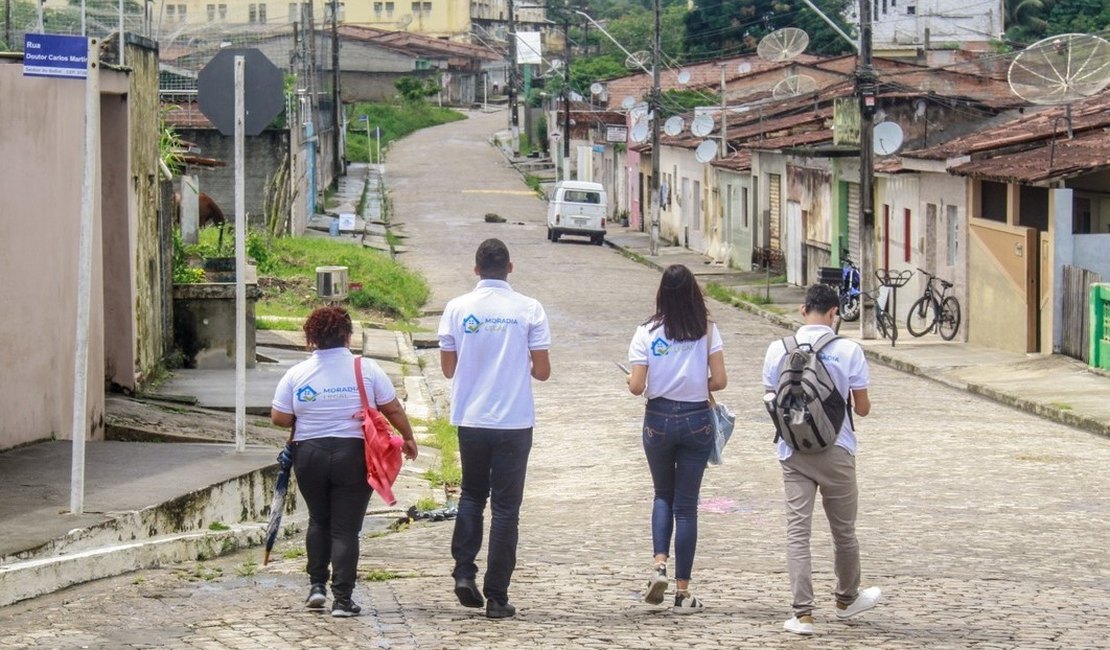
[331, 282]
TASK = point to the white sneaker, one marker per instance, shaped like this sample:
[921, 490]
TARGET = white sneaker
[657, 585]
[799, 625]
[864, 601]
[686, 604]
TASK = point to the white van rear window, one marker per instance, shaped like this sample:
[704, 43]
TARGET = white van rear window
[582, 196]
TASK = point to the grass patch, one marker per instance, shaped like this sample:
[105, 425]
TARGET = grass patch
[533, 183]
[293, 553]
[424, 504]
[445, 437]
[1061, 406]
[396, 121]
[218, 525]
[724, 294]
[282, 324]
[287, 276]
[382, 575]
[247, 569]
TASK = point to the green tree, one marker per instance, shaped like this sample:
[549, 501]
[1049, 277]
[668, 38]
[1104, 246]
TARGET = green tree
[417, 89]
[1079, 16]
[1025, 19]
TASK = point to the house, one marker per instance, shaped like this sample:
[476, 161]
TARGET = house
[1038, 210]
[130, 314]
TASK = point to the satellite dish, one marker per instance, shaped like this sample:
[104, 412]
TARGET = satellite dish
[404, 22]
[782, 44]
[1061, 69]
[706, 151]
[702, 125]
[745, 67]
[683, 77]
[637, 60]
[674, 125]
[793, 86]
[628, 102]
[888, 138]
[640, 132]
[596, 88]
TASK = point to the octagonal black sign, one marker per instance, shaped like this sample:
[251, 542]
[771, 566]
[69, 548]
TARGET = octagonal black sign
[262, 91]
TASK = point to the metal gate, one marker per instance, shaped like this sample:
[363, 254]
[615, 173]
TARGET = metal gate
[853, 223]
[1077, 316]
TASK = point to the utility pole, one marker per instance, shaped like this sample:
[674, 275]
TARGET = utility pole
[566, 95]
[866, 85]
[514, 115]
[8, 24]
[654, 111]
[724, 116]
[337, 108]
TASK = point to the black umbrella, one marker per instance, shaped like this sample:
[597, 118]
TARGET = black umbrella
[277, 506]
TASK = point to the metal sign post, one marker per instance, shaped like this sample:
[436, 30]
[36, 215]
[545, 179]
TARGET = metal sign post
[90, 187]
[240, 262]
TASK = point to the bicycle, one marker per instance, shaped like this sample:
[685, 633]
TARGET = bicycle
[935, 310]
[849, 289]
[884, 322]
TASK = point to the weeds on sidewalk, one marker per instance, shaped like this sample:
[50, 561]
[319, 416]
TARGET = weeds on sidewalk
[445, 438]
[732, 296]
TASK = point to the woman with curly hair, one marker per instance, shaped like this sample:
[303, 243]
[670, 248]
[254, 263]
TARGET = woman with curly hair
[320, 400]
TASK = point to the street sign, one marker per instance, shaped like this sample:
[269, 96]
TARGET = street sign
[54, 55]
[262, 91]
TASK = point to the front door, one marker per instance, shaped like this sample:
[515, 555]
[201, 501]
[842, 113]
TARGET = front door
[792, 240]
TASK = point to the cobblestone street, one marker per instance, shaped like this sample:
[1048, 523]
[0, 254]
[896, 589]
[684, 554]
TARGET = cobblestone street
[984, 526]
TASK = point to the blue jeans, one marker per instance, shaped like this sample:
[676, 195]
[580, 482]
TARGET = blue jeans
[494, 462]
[677, 439]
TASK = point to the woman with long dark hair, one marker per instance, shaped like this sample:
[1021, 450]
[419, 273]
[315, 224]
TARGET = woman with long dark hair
[676, 358]
[320, 397]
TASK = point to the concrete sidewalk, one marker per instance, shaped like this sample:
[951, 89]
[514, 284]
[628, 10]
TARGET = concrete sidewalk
[1052, 386]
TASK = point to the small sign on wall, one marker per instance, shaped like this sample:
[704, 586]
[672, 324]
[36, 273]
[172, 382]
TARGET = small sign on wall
[346, 221]
[55, 55]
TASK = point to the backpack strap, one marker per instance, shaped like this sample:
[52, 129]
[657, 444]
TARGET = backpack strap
[790, 343]
[825, 339]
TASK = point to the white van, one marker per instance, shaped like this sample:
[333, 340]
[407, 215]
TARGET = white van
[577, 208]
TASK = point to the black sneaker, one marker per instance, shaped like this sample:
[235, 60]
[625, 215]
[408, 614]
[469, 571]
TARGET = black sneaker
[345, 608]
[317, 596]
[495, 609]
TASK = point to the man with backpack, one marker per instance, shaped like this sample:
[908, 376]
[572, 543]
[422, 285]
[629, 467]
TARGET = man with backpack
[814, 380]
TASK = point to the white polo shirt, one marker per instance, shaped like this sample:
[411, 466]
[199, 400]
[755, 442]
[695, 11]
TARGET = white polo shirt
[493, 329]
[847, 368]
[677, 370]
[321, 392]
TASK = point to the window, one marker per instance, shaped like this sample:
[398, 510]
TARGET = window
[953, 230]
[252, 13]
[211, 12]
[378, 8]
[293, 16]
[389, 9]
[416, 8]
[181, 13]
[171, 11]
[582, 196]
[911, 10]
[744, 207]
[884, 6]
[262, 13]
[223, 12]
[427, 7]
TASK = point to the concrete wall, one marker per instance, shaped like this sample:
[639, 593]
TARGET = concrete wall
[42, 131]
[264, 154]
[204, 324]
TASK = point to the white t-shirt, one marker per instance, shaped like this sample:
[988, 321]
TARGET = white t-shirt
[847, 368]
[493, 330]
[321, 392]
[677, 370]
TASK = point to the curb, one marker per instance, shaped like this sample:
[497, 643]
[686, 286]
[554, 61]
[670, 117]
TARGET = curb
[1085, 423]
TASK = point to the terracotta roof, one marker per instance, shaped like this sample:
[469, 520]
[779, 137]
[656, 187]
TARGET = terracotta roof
[1092, 113]
[822, 136]
[704, 74]
[1050, 161]
[185, 114]
[741, 161]
[417, 43]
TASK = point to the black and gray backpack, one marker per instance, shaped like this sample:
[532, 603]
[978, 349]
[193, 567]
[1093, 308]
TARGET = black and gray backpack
[806, 407]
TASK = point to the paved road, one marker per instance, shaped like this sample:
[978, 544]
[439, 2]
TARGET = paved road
[986, 527]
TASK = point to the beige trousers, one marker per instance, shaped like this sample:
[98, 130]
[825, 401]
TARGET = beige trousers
[833, 472]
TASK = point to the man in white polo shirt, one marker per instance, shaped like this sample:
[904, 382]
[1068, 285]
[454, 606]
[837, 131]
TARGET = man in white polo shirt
[493, 342]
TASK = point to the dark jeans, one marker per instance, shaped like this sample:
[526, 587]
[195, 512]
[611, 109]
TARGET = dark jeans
[331, 475]
[494, 462]
[677, 441]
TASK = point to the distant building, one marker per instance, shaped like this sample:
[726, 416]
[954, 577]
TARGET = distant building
[904, 27]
